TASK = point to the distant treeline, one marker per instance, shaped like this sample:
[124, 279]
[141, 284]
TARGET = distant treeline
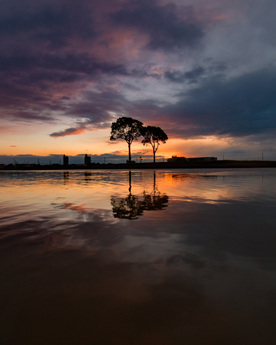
[158, 165]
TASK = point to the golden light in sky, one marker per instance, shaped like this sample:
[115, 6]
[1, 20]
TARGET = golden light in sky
[67, 74]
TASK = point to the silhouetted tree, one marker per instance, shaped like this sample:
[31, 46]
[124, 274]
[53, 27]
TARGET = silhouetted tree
[154, 135]
[128, 129]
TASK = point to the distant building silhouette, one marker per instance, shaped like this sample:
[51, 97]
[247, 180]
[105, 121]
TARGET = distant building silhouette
[65, 160]
[87, 160]
[176, 159]
[202, 159]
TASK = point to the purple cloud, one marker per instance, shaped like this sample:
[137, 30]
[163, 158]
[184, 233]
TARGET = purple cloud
[181, 66]
[68, 131]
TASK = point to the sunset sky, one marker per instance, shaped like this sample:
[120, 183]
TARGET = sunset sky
[202, 70]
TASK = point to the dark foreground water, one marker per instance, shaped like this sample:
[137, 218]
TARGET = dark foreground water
[112, 257]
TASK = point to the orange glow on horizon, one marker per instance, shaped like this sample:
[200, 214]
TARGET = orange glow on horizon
[36, 140]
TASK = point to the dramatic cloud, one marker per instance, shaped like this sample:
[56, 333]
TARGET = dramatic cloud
[195, 68]
[181, 77]
[168, 27]
[241, 106]
[68, 131]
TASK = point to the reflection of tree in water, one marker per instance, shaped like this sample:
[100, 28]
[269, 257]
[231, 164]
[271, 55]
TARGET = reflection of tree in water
[155, 202]
[133, 206]
[128, 208]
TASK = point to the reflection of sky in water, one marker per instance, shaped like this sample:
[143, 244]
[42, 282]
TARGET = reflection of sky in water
[195, 265]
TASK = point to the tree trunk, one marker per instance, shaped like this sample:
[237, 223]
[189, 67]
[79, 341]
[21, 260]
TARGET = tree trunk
[129, 153]
[153, 156]
[129, 182]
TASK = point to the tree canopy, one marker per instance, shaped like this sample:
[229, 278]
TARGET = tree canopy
[128, 129]
[154, 136]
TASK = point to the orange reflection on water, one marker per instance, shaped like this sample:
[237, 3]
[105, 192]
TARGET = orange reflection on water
[88, 190]
[144, 254]
[213, 186]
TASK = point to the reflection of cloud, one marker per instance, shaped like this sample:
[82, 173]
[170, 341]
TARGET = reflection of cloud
[184, 176]
[69, 206]
[195, 271]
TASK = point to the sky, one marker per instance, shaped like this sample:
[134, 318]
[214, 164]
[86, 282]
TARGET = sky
[202, 70]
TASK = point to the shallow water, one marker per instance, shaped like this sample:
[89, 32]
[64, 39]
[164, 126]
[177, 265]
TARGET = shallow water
[141, 257]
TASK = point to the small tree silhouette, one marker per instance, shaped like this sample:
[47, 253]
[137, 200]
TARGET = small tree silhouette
[153, 136]
[128, 129]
